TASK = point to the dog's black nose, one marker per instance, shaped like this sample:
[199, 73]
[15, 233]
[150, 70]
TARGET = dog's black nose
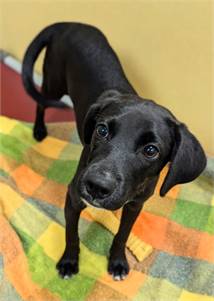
[100, 186]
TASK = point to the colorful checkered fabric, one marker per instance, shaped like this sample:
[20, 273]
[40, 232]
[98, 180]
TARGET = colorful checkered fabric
[178, 230]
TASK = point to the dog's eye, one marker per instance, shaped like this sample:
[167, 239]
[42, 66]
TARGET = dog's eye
[150, 151]
[102, 130]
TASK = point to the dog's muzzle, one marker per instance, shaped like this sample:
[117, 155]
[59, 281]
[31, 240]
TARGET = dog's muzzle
[97, 187]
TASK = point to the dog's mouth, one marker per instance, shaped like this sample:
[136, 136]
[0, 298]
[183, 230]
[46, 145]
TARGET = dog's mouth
[91, 204]
[112, 202]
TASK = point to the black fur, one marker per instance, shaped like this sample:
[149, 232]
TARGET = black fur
[113, 171]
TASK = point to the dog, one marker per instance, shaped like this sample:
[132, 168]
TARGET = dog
[127, 140]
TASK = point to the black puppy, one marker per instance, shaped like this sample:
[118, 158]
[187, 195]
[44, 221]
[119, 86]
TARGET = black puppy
[127, 140]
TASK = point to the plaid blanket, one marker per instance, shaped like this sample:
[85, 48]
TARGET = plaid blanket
[170, 249]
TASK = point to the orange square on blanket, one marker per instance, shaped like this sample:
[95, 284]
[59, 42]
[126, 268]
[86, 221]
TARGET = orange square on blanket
[26, 179]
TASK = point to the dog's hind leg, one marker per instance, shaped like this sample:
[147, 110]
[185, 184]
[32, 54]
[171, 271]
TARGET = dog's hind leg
[40, 130]
[49, 90]
[52, 88]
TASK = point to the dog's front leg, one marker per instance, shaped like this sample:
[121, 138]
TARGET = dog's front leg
[118, 266]
[68, 264]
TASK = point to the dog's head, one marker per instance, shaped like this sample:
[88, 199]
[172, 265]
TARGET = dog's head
[130, 141]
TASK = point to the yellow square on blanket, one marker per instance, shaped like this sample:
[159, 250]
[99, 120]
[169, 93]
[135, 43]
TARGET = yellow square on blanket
[6, 125]
[10, 200]
[50, 147]
[53, 241]
[188, 296]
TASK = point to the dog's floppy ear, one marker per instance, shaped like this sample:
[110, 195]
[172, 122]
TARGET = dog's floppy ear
[187, 160]
[90, 120]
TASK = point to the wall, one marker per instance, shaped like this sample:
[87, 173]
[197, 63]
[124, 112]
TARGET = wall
[165, 47]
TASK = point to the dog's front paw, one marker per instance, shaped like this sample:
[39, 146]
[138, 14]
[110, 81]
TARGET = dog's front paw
[118, 268]
[66, 268]
[39, 133]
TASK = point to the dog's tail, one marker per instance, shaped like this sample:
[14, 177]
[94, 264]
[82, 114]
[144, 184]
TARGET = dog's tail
[31, 54]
